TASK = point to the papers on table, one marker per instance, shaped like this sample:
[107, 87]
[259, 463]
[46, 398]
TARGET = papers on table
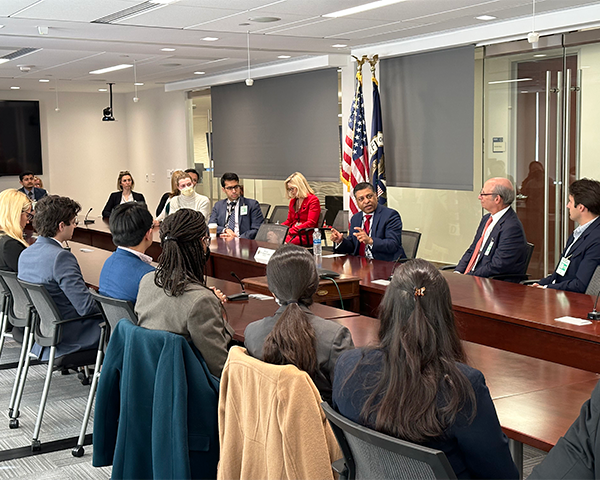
[334, 255]
[260, 296]
[382, 281]
[263, 255]
[573, 321]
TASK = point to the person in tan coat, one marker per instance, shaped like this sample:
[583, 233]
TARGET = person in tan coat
[271, 425]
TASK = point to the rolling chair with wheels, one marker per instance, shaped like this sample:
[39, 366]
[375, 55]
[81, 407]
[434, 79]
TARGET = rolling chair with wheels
[112, 310]
[47, 331]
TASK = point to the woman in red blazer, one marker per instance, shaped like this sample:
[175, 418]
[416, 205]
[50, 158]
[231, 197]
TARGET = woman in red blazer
[304, 210]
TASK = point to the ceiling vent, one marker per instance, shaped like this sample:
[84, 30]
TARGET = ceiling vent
[19, 53]
[129, 12]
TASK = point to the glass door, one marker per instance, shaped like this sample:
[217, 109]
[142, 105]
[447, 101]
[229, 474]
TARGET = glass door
[531, 136]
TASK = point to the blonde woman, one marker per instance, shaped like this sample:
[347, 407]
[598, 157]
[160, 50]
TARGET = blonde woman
[125, 184]
[304, 210]
[37, 182]
[15, 213]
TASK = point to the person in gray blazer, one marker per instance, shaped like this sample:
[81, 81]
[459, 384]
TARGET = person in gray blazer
[175, 298]
[46, 262]
[294, 335]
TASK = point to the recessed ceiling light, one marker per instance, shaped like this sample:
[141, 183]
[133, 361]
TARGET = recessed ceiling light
[44, 80]
[284, 56]
[1, 26]
[362, 8]
[540, 55]
[110, 69]
[167, 49]
[339, 45]
[15, 88]
[485, 17]
[199, 73]
[139, 84]
[264, 19]
[210, 39]
[103, 89]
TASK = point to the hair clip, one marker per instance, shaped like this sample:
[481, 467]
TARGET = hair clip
[167, 238]
[420, 292]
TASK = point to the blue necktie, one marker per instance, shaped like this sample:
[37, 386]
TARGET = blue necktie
[231, 222]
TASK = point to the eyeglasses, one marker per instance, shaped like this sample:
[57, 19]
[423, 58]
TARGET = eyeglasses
[232, 188]
[369, 196]
[29, 215]
[292, 189]
[481, 194]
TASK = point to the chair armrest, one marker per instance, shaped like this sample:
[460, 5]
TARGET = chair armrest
[516, 278]
[448, 267]
[530, 282]
[85, 317]
[339, 467]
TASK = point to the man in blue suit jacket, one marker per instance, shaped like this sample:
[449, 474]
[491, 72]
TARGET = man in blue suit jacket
[581, 255]
[46, 262]
[503, 248]
[236, 216]
[34, 194]
[131, 227]
[383, 241]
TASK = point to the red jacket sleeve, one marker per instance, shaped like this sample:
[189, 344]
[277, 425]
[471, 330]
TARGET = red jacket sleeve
[308, 216]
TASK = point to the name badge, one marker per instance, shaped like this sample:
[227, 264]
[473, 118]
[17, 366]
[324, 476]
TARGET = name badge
[244, 210]
[489, 248]
[562, 266]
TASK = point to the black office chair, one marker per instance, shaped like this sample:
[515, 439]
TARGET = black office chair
[371, 455]
[47, 331]
[272, 233]
[279, 214]
[518, 277]
[304, 233]
[264, 208]
[19, 312]
[113, 310]
[594, 286]
[341, 223]
[410, 243]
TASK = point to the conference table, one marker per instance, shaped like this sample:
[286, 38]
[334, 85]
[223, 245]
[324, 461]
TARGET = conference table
[536, 400]
[499, 314]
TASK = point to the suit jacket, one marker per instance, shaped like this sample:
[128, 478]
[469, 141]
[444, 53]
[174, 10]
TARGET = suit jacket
[332, 340]
[197, 315]
[386, 232]
[306, 217]
[271, 425]
[156, 408]
[47, 263]
[508, 252]
[121, 275]
[249, 223]
[38, 193]
[477, 449]
[115, 200]
[10, 251]
[584, 256]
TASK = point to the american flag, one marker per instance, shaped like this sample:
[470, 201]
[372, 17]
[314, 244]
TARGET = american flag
[376, 147]
[355, 163]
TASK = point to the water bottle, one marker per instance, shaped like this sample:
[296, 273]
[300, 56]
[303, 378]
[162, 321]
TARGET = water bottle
[317, 248]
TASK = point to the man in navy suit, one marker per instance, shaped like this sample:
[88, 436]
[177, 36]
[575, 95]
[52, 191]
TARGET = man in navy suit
[375, 231]
[581, 255]
[33, 193]
[236, 216]
[499, 246]
[131, 228]
[46, 262]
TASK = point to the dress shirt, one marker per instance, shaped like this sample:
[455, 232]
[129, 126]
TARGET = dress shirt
[30, 194]
[368, 253]
[495, 217]
[142, 256]
[578, 232]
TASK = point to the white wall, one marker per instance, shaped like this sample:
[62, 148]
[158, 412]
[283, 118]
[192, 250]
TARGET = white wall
[82, 155]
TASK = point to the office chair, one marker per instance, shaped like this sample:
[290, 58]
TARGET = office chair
[371, 455]
[594, 286]
[518, 277]
[272, 233]
[304, 233]
[279, 214]
[341, 223]
[410, 243]
[47, 331]
[112, 310]
[264, 208]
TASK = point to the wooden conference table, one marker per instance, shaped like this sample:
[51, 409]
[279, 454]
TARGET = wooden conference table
[508, 316]
[536, 400]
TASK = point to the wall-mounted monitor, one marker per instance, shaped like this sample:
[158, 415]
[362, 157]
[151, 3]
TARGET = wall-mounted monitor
[20, 137]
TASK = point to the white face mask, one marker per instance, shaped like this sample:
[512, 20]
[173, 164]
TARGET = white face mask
[188, 191]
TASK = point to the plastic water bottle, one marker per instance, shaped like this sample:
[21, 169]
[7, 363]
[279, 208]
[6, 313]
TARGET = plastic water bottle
[317, 247]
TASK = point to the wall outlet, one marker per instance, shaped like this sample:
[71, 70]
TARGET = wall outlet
[153, 178]
[147, 178]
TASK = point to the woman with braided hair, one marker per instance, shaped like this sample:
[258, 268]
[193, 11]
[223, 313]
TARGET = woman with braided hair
[294, 335]
[175, 297]
[415, 385]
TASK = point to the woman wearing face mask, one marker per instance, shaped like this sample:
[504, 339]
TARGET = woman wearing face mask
[125, 194]
[175, 297]
[187, 199]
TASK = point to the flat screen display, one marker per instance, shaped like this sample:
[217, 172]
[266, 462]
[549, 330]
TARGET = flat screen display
[20, 138]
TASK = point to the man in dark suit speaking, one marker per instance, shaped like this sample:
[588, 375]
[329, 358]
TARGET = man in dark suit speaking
[375, 231]
[33, 193]
[236, 216]
[499, 246]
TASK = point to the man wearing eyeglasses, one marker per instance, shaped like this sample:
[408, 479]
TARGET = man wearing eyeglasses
[236, 216]
[499, 246]
[375, 231]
